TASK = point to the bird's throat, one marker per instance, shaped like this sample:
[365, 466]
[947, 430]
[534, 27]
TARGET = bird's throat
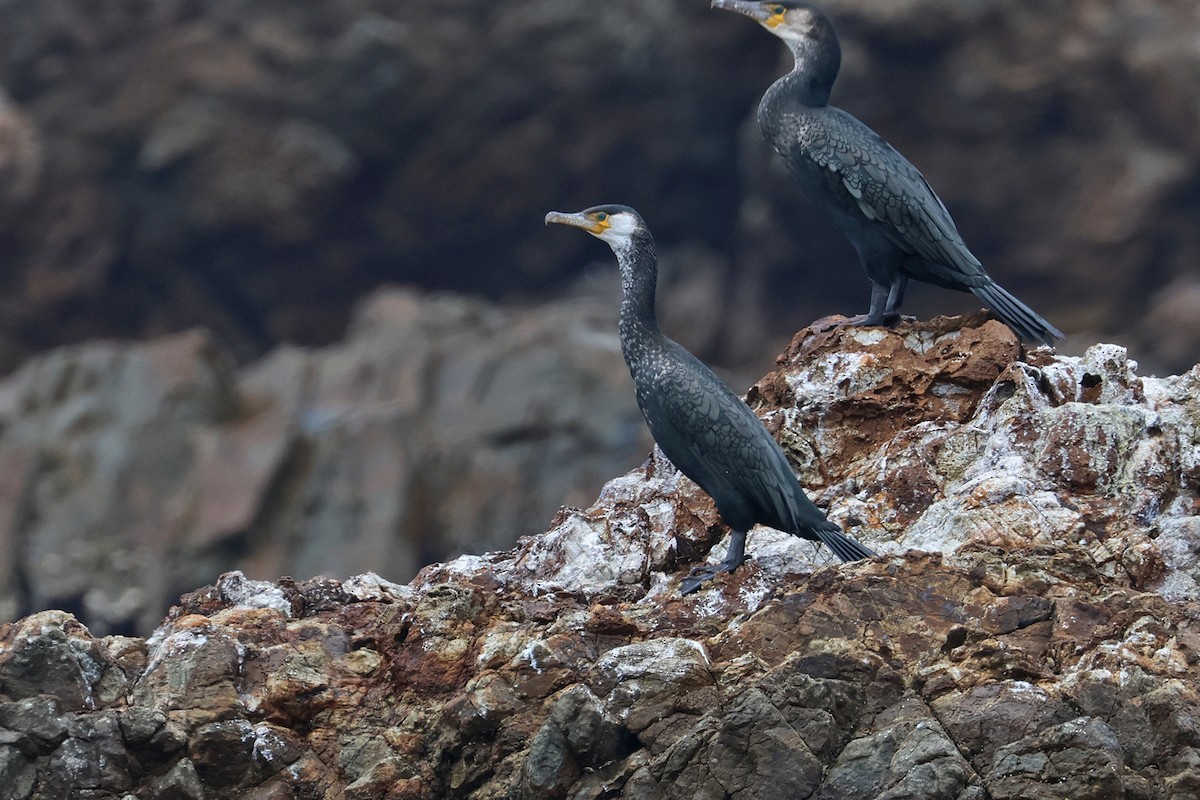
[639, 275]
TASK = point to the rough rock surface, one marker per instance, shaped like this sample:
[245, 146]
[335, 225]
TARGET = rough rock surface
[1043, 641]
[255, 167]
[135, 472]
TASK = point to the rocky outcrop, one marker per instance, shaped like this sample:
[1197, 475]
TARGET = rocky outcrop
[1030, 630]
[135, 472]
[255, 168]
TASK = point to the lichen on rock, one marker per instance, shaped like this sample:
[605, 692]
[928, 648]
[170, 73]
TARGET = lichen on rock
[1030, 629]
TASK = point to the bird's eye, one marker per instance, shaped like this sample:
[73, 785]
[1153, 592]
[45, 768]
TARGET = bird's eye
[778, 10]
[601, 217]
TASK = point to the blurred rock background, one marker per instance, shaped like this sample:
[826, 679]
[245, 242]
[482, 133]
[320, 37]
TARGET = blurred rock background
[257, 170]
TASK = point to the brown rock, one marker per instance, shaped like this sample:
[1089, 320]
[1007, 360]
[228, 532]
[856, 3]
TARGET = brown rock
[1048, 649]
[188, 661]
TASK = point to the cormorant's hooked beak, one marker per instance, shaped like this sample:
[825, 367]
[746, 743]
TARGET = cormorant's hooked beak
[580, 220]
[756, 11]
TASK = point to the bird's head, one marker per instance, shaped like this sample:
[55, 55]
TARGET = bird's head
[790, 20]
[615, 224]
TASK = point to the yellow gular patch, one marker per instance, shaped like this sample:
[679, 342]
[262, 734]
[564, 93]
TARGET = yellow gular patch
[599, 226]
[775, 20]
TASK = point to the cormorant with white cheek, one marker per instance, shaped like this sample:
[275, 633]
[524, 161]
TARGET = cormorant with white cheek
[881, 202]
[706, 430]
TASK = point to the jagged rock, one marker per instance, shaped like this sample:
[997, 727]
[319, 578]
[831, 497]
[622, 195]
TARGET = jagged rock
[17, 772]
[1014, 656]
[39, 717]
[986, 718]
[441, 426]
[580, 734]
[180, 783]
[909, 756]
[1080, 758]
[48, 657]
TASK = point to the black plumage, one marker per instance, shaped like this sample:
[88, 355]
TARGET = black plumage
[706, 430]
[882, 203]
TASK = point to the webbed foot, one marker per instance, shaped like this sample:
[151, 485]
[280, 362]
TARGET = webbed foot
[734, 558]
[885, 320]
[706, 572]
[699, 575]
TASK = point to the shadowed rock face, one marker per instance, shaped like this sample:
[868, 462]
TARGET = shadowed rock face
[256, 167]
[1043, 642]
[134, 472]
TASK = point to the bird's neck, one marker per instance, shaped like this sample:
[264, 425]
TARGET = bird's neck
[812, 76]
[639, 274]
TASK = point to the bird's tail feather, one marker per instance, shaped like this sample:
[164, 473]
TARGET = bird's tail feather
[1028, 324]
[843, 546]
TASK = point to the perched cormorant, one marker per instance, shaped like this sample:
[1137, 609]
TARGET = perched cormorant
[880, 201]
[706, 430]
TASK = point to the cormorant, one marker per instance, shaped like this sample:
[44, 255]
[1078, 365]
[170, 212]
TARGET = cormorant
[881, 202]
[706, 430]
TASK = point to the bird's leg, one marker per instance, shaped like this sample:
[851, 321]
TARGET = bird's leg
[876, 316]
[734, 558]
[895, 297]
[891, 309]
